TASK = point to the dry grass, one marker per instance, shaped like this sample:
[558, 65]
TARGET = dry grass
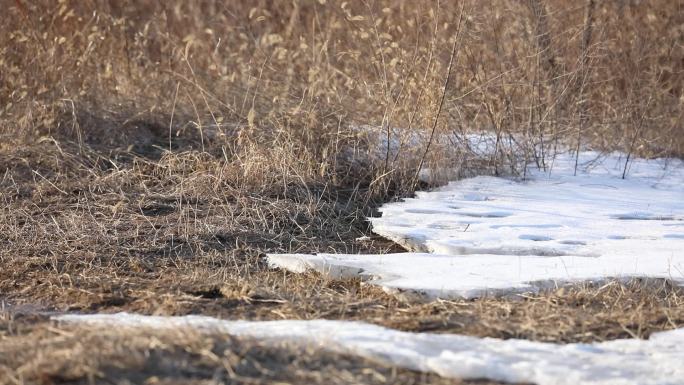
[151, 153]
[87, 356]
[245, 79]
[174, 237]
[36, 353]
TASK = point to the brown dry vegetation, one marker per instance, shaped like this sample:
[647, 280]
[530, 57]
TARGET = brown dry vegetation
[246, 79]
[35, 352]
[152, 152]
[86, 356]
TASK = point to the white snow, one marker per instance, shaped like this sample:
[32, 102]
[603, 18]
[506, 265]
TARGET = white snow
[620, 362]
[488, 235]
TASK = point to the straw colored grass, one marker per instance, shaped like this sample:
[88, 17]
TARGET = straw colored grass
[95, 356]
[150, 154]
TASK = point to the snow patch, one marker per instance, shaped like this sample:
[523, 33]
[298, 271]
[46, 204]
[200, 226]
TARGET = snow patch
[477, 275]
[620, 362]
[488, 235]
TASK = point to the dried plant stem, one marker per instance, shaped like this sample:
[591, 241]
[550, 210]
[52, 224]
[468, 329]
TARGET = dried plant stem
[454, 50]
[173, 111]
[584, 74]
[635, 137]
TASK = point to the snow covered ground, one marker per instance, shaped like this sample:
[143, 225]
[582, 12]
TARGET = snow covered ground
[621, 362]
[488, 235]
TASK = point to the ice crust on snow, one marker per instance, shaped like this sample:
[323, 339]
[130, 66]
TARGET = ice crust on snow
[489, 235]
[620, 362]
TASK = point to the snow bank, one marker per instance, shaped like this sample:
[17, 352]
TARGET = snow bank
[621, 362]
[495, 235]
[477, 275]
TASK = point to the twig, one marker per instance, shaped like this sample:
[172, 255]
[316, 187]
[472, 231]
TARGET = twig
[636, 136]
[173, 110]
[586, 41]
[441, 100]
[50, 182]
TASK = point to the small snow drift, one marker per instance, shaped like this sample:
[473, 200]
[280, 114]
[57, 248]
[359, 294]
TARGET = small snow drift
[495, 235]
[477, 275]
[654, 361]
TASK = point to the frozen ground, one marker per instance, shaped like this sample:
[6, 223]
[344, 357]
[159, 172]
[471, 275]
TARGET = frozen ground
[621, 362]
[495, 235]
